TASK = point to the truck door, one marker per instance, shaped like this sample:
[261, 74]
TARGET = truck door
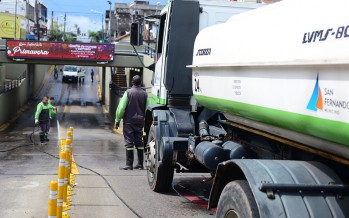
[159, 92]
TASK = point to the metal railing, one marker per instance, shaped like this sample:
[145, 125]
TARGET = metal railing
[8, 85]
[149, 51]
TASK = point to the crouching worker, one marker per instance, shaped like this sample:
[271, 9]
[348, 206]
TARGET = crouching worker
[42, 118]
[132, 109]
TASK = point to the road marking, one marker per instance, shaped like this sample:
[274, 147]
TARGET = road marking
[192, 197]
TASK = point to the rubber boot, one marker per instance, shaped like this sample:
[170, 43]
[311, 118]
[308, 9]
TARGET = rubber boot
[46, 139]
[42, 138]
[129, 160]
[140, 153]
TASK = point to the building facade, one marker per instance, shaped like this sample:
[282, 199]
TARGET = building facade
[126, 13]
[19, 19]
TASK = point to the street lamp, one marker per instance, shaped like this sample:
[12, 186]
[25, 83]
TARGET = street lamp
[98, 12]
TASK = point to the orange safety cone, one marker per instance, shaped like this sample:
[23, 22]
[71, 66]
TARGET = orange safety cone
[52, 201]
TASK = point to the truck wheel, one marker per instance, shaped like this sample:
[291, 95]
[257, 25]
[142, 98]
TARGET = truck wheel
[237, 201]
[159, 175]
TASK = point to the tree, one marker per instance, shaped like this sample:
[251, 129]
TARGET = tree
[95, 37]
[70, 37]
[77, 28]
[56, 35]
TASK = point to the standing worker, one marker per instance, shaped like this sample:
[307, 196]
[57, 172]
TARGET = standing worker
[42, 118]
[92, 74]
[132, 108]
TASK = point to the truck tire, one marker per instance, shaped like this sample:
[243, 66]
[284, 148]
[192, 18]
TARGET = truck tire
[237, 201]
[159, 175]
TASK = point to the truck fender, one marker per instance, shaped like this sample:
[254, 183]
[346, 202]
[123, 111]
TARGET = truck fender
[166, 134]
[149, 115]
[164, 129]
[285, 188]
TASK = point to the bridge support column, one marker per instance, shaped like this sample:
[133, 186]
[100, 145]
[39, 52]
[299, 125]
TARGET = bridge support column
[103, 85]
[2, 74]
[30, 77]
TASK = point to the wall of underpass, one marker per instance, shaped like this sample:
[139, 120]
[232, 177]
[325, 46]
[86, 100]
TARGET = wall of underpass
[14, 99]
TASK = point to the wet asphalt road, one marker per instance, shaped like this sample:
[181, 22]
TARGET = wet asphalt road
[25, 172]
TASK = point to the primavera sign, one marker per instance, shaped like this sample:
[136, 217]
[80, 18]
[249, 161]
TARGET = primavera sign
[59, 50]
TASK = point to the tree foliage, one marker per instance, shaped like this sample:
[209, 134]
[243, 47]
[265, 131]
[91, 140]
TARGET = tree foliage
[95, 37]
[55, 35]
[77, 28]
[58, 35]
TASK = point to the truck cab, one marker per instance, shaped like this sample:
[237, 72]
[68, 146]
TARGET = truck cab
[73, 73]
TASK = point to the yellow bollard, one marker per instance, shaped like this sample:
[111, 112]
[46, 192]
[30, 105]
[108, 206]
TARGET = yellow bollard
[62, 143]
[68, 150]
[69, 142]
[71, 129]
[66, 181]
[61, 174]
[70, 136]
[71, 176]
[52, 201]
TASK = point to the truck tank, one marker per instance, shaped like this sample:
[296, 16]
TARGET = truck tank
[282, 70]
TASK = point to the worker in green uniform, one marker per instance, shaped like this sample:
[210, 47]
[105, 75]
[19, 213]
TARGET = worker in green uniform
[42, 118]
[132, 108]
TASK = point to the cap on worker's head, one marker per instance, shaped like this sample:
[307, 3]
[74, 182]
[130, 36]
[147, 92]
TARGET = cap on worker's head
[136, 80]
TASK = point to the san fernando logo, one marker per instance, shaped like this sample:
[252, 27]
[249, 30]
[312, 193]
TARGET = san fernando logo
[315, 101]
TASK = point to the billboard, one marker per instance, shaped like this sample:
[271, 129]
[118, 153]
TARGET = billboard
[7, 26]
[59, 50]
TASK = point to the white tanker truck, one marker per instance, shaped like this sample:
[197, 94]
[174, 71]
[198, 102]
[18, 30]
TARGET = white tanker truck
[260, 101]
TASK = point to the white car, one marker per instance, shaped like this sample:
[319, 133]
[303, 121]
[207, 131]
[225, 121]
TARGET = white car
[73, 73]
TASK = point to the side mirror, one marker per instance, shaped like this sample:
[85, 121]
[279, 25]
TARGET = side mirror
[136, 34]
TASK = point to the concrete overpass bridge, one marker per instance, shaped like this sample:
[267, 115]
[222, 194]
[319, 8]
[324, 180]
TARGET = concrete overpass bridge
[124, 56]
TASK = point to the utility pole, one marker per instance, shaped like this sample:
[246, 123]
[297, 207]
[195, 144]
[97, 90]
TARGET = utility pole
[65, 18]
[15, 31]
[37, 19]
[102, 28]
[51, 21]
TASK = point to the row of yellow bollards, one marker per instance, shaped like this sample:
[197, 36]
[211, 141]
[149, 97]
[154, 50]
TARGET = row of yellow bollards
[60, 191]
